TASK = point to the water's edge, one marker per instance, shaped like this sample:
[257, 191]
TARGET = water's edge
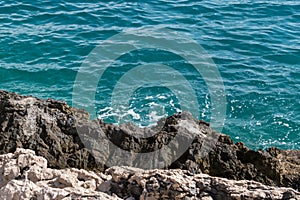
[67, 138]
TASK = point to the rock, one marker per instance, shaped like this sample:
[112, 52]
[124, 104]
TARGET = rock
[235, 161]
[66, 138]
[36, 181]
[181, 184]
[45, 126]
[33, 180]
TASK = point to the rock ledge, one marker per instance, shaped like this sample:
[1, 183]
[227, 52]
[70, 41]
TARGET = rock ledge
[26, 176]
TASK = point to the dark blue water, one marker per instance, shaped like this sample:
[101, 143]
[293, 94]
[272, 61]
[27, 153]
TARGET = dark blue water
[254, 44]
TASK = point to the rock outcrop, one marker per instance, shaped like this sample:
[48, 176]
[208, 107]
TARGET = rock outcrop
[50, 128]
[45, 126]
[26, 176]
[181, 184]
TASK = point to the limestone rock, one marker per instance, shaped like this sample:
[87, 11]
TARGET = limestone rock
[45, 126]
[26, 176]
[51, 128]
[32, 179]
[181, 184]
[235, 161]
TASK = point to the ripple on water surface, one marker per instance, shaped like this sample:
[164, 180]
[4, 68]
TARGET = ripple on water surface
[255, 45]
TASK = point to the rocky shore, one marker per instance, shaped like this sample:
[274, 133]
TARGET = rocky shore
[44, 157]
[26, 176]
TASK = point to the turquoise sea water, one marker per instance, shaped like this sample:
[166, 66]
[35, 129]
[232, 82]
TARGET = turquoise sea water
[254, 44]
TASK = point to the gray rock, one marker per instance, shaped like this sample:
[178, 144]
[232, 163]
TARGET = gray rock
[32, 179]
[66, 137]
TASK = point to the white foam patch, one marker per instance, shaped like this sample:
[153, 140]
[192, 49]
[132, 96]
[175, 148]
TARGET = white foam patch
[154, 117]
[152, 112]
[133, 114]
[161, 97]
[149, 97]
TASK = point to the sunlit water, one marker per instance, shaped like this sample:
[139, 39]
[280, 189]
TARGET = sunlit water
[255, 45]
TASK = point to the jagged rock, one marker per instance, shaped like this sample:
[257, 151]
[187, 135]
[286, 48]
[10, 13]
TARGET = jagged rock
[235, 161]
[26, 176]
[33, 180]
[47, 127]
[181, 184]
[66, 137]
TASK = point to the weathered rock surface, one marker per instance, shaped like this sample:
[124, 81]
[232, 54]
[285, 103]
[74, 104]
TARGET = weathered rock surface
[26, 176]
[45, 126]
[235, 161]
[181, 184]
[50, 128]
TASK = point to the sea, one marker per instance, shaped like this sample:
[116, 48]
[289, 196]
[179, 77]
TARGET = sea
[254, 47]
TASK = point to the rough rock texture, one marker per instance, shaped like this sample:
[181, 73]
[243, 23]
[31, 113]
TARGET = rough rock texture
[235, 161]
[26, 176]
[181, 184]
[45, 126]
[49, 128]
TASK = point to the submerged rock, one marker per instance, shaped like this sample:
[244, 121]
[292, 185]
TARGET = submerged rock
[26, 176]
[67, 138]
